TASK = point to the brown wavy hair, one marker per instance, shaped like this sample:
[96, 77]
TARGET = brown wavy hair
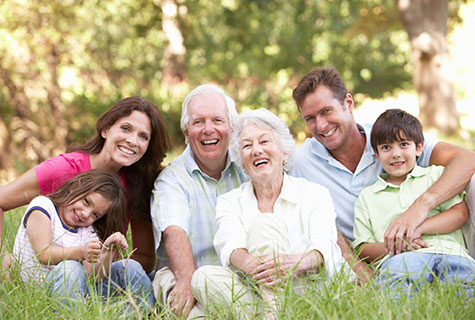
[105, 183]
[141, 175]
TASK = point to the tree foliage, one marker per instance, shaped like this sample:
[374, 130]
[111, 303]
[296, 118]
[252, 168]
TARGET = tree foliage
[64, 62]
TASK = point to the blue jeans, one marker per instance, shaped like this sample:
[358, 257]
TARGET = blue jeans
[407, 269]
[69, 280]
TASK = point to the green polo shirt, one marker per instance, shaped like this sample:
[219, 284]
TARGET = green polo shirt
[379, 204]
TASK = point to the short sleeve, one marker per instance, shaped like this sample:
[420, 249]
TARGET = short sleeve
[53, 172]
[170, 205]
[363, 230]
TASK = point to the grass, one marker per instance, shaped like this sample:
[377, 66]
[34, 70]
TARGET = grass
[339, 299]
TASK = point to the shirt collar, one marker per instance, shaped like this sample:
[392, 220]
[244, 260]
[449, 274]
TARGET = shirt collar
[192, 166]
[288, 192]
[319, 149]
[382, 184]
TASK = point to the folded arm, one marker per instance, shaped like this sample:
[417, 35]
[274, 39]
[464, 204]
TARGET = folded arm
[460, 166]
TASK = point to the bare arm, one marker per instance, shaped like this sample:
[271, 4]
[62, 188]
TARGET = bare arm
[460, 166]
[143, 243]
[445, 222]
[18, 193]
[38, 228]
[362, 270]
[372, 251]
[179, 252]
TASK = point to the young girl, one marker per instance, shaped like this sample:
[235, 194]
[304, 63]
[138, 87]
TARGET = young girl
[71, 233]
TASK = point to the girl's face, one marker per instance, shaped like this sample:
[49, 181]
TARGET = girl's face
[84, 212]
[127, 139]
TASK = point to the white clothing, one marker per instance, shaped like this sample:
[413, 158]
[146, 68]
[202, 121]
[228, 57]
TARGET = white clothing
[62, 235]
[304, 220]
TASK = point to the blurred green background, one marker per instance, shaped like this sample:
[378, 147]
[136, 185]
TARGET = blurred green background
[63, 63]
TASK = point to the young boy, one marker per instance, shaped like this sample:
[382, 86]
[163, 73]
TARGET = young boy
[438, 249]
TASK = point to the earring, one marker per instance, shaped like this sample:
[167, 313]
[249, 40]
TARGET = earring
[284, 163]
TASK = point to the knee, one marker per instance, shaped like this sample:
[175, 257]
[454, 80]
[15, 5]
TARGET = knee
[128, 267]
[68, 275]
[69, 271]
[202, 275]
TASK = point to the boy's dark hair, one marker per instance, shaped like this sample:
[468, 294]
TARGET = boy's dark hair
[323, 76]
[394, 125]
[106, 184]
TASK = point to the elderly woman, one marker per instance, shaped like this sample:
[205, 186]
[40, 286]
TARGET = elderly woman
[272, 228]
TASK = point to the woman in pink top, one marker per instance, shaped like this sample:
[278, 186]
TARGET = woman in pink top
[131, 140]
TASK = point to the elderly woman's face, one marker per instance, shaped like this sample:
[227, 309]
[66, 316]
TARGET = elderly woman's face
[261, 153]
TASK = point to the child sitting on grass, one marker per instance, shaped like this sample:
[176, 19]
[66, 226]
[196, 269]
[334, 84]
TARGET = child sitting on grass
[438, 249]
[70, 234]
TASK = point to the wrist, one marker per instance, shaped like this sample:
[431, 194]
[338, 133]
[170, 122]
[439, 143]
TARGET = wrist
[427, 201]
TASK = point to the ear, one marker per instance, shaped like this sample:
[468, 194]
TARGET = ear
[376, 154]
[104, 134]
[349, 103]
[419, 148]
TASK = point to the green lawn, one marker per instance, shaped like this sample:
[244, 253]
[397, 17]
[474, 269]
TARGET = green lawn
[338, 300]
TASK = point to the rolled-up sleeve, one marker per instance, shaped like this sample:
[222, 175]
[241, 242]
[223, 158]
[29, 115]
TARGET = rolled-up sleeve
[169, 205]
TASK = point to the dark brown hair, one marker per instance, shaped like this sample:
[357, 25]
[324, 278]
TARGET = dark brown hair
[396, 125]
[141, 175]
[106, 184]
[323, 76]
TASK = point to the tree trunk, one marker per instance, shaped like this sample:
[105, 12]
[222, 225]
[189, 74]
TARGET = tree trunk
[173, 61]
[426, 24]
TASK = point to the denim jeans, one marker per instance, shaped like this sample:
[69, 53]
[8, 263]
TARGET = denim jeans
[69, 280]
[399, 272]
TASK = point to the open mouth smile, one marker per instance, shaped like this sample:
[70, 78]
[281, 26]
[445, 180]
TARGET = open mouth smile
[259, 162]
[209, 142]
[329, 133]
[126, 150]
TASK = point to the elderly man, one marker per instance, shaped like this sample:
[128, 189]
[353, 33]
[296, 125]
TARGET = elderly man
[185, 193]
[340, 157]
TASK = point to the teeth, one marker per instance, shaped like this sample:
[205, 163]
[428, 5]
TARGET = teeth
[261, 161]
[332, 131]
[126, 150]
[206, 142]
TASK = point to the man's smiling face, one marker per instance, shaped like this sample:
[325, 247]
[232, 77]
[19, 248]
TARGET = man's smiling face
[208, 130]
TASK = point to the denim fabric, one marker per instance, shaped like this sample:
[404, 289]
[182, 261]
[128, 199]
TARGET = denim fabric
[69, 279]
[412, 269]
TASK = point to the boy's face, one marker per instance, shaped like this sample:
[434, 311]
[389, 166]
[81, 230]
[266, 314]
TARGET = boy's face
[398, 158]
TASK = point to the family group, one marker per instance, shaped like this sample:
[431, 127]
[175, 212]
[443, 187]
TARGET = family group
[242, 212]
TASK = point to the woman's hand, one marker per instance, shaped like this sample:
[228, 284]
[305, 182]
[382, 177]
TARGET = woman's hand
[92, 250]
[274, 269]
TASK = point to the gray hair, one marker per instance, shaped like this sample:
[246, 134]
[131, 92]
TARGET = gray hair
[210, 90]
[265, 119]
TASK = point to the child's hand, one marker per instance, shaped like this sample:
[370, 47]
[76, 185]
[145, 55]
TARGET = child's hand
[92, 250]
[416, 244]
[116, 239]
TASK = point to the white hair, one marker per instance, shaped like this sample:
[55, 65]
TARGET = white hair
[265, 119]
[210, 90]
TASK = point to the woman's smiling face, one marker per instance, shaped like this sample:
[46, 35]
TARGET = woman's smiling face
[261, 153]
[127, 139]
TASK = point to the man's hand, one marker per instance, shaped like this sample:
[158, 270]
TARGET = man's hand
[182, 299]
[403, 228]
